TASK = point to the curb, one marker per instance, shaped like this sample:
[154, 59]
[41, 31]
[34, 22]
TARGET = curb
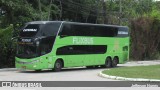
[126, 79]
[8, 69]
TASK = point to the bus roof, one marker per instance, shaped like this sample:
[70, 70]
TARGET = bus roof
[45, 22]
[93, 24]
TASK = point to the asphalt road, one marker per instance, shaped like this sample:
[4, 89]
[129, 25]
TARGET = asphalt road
[70, 74]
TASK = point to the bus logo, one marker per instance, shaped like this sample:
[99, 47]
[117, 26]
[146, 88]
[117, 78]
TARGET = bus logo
[82, 40]
[26, 40]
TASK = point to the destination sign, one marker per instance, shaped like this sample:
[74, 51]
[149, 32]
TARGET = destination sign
[122, 32]
[29, 30]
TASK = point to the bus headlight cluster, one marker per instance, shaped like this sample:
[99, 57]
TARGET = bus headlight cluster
[32, 62]
[37, 43]
[35, 61]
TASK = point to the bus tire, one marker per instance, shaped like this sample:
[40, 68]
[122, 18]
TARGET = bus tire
[115, 62]
[108, 63]
[58, 66]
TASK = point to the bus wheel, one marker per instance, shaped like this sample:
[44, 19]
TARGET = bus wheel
[58, 66]
[108, 63]
[115, 62]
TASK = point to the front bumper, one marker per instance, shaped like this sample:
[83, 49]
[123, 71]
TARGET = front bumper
[30, 64]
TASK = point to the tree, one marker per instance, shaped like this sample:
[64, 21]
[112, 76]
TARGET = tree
[78, 10]
[7, 47]
[145, 38]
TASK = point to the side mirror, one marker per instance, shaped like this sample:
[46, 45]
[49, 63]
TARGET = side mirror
[14, 38]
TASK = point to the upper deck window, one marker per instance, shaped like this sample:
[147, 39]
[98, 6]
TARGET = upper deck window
[36, 30]
[49, 29]
[88, 30]
[30, 30]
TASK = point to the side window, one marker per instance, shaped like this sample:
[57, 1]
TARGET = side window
[107, 31]
[81, 49]
[46, 45]
[66, 30]
[125, 48]
[73, 30]
[123, 32]
[89, 30]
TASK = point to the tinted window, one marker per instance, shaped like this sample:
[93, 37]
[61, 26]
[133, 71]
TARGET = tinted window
[122, 32]
[88, 30]
[81, 49]
[125, 48]
[26, 51]
[49, 29]
[46, 45]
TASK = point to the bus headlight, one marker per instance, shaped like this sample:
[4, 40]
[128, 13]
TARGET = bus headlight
[32, 62]
[37, 43]
[35, 66]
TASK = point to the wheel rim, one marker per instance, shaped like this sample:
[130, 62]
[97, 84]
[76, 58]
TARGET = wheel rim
[58, 65]
[108, 63]
[114, 63]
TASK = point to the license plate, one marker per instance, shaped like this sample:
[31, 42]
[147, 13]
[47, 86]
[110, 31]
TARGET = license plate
[23, 68]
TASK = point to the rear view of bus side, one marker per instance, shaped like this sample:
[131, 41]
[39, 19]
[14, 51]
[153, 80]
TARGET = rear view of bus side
[75, 44]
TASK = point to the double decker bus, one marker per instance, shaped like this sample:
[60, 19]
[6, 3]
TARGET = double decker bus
[61, 44]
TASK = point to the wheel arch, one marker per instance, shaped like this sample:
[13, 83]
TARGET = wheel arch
[61, 61]
[117, 58]
[109, 57]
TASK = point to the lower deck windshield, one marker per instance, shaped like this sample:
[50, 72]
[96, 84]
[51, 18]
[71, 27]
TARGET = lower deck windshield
[45, 35]
[27, 51]
[32, 50]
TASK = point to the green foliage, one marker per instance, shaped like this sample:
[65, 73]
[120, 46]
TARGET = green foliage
[22, 11]
[145, 38]
[155, 13]
[7, 47]
[18, 12]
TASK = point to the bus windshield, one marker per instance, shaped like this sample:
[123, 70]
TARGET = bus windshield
[27, 51]
[37, 39]
[38, 30]
[30, 30]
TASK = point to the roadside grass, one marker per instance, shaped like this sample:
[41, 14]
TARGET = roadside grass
[148, 72]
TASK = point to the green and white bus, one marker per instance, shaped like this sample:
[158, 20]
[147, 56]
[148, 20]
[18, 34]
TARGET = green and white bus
[61, 44]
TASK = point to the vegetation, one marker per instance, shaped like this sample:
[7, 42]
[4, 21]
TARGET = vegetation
[141, 15]
[7, 47]
[148, 72]
[145, 38]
